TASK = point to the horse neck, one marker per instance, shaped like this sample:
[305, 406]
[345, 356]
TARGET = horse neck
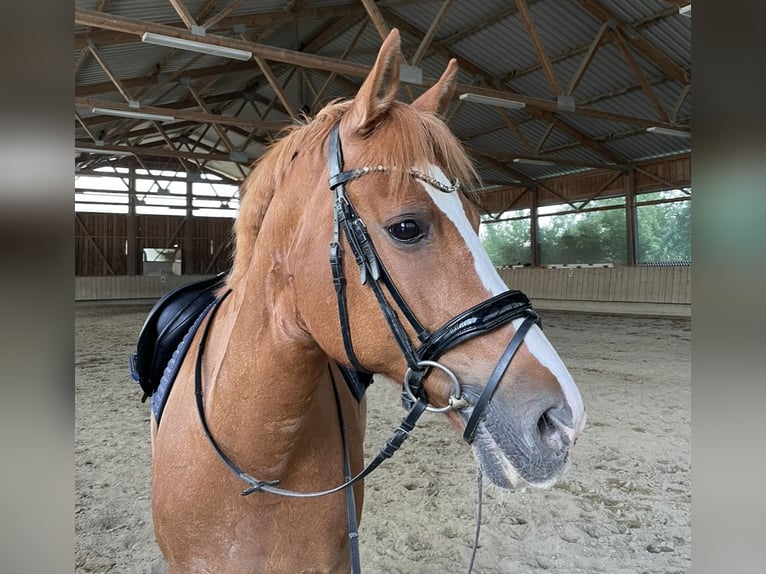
[265, 379]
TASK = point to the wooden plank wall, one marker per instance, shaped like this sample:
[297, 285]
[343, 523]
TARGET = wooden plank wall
[101, 242]
[670, 285]
[125, 288]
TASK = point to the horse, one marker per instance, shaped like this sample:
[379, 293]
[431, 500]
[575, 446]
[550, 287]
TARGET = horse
[408, 294]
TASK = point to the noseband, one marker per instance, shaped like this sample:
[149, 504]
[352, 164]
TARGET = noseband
[478, 320]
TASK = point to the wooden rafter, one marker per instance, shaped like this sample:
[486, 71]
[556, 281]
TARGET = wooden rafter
[510, 156]
[108, 71]
[222, 14]
[376, 17]
[184, 13]
[274, 83]
[318, 97]
[479, 25]
[428, 37]
[526, 17]
[148, 151]
[270, 53]
[218, 129]
[169, 143]
[645, 85]
[587, 141]
[544, 137]
[183, 114]
[587, 59]
[679, 102]
[644, 47]
[513, 127]
[535, 106]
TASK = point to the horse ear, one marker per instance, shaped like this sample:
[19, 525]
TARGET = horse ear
[437, 98]
[379, 90]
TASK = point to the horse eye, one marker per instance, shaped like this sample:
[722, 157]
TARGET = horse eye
[407, 231]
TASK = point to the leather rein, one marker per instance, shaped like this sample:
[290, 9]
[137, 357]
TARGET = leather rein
[478, 320]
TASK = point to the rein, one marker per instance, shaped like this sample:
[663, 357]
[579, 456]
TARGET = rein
[421, 358]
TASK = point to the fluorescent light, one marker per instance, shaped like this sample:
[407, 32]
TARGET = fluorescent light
[685, 10]
[532, 161]
[183, 44]
[489, 101]
[132, 114]
[668, 132]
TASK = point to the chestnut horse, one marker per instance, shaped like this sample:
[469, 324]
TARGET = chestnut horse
[264, 367]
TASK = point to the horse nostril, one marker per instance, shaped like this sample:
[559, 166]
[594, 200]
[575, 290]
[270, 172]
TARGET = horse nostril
[551, 428]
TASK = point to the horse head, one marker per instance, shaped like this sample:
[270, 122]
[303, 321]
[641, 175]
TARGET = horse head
[401, 172]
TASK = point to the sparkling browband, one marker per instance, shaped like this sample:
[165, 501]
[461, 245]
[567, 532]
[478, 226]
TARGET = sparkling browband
[360, 171]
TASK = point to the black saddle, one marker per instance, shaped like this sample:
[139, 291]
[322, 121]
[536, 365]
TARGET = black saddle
[168, 322]
[164, 340]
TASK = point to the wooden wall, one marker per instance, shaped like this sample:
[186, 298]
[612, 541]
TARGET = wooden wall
[641, 290]
[658, 291]
[105, 242]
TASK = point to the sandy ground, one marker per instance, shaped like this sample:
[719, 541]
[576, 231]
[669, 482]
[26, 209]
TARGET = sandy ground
[623, 507]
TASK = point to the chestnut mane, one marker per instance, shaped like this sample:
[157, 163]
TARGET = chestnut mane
[405, 138]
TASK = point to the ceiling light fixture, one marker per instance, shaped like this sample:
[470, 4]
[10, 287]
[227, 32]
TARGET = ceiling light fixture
[134, 115]
[183, 44]
[490, 101]
[685, 10]
[531, 161]
[668, 132]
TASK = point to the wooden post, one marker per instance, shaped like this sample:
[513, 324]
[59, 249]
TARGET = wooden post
[132, 247]
[187, 243]
[631, 219]
[534, 228]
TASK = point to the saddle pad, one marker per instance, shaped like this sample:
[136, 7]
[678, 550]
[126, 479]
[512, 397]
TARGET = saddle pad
[165, 326]
[160, 395]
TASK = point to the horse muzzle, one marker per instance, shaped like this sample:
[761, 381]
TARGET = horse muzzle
[524, 444]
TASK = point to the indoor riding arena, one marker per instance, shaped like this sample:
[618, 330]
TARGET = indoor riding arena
[576, 119]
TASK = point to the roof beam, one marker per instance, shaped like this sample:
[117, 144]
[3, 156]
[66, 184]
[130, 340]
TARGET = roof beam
[636, 69]
[538, 45]
[95, 19]
[183, 114]
[587, 141]
[510, 156]
[213, 20]
[274, 83]
[108, 71]
[428, 37]
[587, 59]
[645, 48]
[185, 15]
[479, 25]
[377, 19]
[157, 152]
[138, 27]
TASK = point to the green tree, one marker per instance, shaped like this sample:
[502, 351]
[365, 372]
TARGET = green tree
[664, 232]
[507, 242]
[591, 237]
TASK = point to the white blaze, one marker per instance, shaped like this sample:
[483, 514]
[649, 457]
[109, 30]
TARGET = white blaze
[535, 340]
[452, 207]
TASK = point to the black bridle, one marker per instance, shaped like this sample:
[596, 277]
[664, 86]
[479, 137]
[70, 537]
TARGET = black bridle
[478, 320]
